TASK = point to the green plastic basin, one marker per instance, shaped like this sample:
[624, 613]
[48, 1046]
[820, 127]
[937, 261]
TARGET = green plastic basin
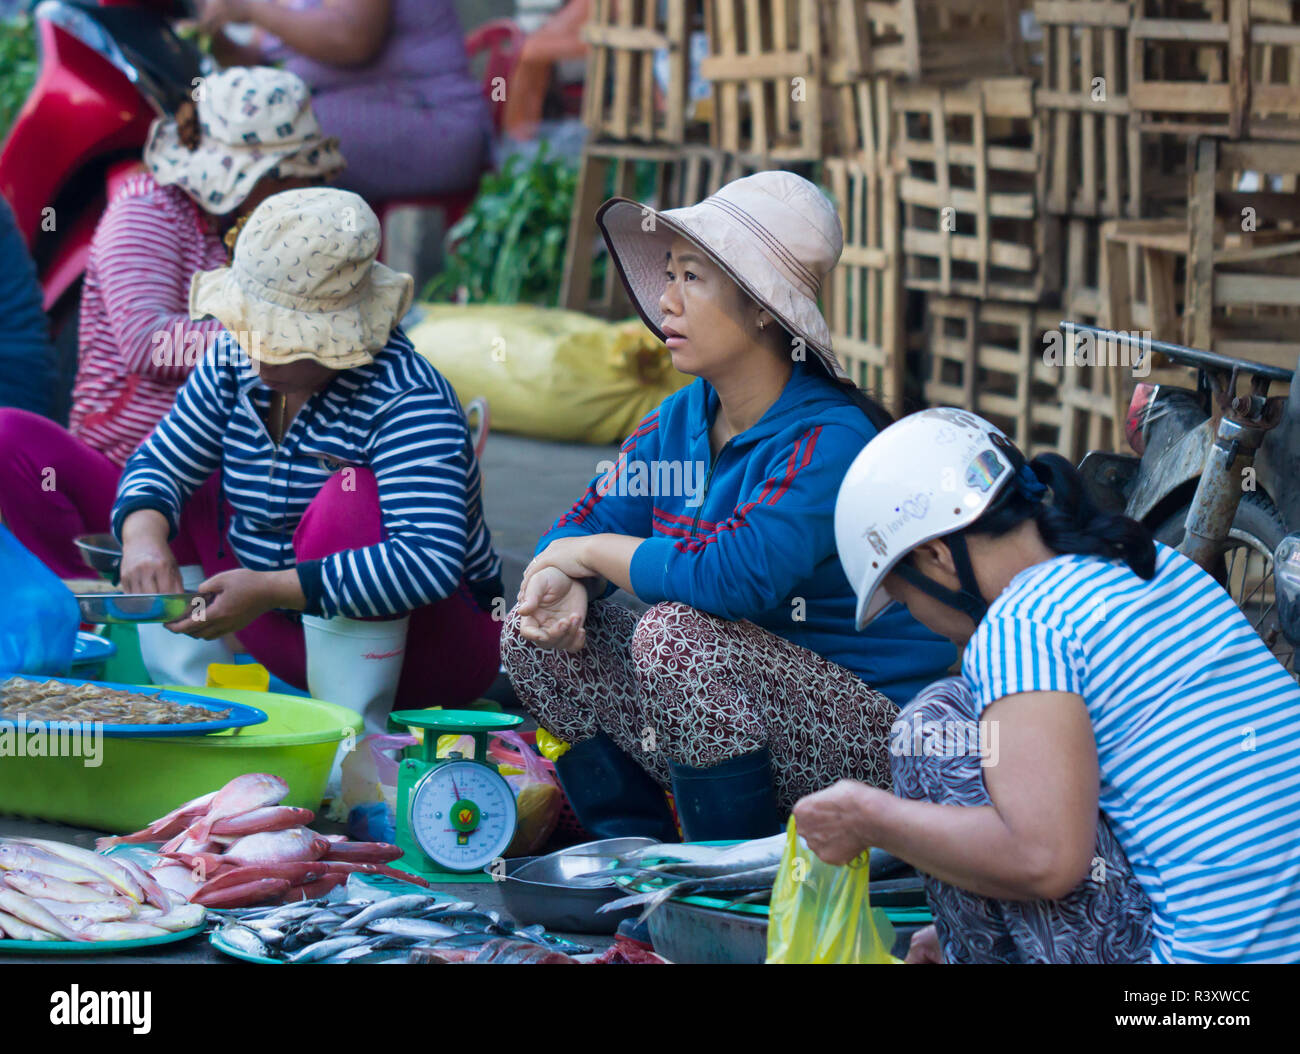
[139, 780]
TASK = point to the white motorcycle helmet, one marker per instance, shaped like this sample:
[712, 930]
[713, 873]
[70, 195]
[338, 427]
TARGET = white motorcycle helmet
[927, 476]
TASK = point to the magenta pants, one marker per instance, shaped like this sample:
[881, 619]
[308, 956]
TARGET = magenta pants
[54, 487]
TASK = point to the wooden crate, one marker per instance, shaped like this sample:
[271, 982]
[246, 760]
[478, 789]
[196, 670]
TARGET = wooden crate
[765, 65]
[859, 117]
[1243, 267]
[1210, 280]
[862, 297]
[1216, 67]
[1092, 156]
[988, 357]
[622, 99]
[968, 160]
[610, 169]
[937, 40]
[662, 177]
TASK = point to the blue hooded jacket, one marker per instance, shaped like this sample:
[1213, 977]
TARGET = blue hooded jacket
[751, 534]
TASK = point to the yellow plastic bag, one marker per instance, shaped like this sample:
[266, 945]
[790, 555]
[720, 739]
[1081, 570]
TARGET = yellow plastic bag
[821, 913]
[546, 372]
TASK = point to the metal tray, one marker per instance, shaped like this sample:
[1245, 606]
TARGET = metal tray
[537, 888]
[134, 607]
[101, 552]
[241, 716]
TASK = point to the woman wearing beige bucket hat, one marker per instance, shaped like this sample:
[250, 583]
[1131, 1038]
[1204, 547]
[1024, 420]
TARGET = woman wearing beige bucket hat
[315, 463]
[744, 686]
[251, 134]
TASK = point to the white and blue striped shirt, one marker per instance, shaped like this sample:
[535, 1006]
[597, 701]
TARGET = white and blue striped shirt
[396, 416]
[1198, 740]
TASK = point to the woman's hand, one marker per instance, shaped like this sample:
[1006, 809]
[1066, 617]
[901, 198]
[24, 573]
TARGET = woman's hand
[836, 822]
[148, 565]
[570, 556]
[233, 599]
[553, 610]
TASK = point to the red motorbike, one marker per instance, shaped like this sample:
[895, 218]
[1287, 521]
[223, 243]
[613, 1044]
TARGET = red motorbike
[107, 70]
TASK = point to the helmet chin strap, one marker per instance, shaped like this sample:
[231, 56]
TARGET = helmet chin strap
[968, 599]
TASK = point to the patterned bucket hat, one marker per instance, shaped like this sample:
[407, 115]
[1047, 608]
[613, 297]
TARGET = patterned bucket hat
[774, 233]
[304, 282]
[250, 120]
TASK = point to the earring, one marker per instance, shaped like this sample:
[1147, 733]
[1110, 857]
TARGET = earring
[760, 323]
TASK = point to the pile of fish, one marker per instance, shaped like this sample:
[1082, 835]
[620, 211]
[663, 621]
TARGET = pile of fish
[410, 927]
[51, 891]
[23, 698]
[743, 873]
[239, 846]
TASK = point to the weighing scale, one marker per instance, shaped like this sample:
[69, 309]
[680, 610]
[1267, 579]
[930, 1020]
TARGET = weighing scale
[455, 815]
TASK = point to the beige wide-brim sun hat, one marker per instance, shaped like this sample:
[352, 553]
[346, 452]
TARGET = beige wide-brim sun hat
[774, 233]
[304, 282]
[252, 120]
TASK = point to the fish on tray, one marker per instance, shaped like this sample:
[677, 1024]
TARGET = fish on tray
[738, 884]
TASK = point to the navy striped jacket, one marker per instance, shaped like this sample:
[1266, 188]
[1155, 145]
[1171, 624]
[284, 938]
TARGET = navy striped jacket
[396, 416]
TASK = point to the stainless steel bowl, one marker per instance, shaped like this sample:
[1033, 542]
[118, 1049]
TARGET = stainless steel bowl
[541, 889]
[102, 552]
[135, 607]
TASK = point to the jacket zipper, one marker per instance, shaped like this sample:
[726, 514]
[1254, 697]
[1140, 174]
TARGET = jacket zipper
[708, 478]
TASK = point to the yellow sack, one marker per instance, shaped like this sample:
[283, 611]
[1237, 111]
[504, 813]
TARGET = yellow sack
[546, 372]
[821, 913]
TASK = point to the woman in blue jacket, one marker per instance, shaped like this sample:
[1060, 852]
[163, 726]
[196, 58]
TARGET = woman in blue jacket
[744, 685]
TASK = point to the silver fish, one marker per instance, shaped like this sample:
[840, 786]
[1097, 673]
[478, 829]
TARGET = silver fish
[424, 929]
[245, 940]
[742, 882]
[403, 905]
[326, 949]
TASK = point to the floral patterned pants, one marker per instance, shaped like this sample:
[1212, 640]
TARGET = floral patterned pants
[677, 683]
[1106, 919]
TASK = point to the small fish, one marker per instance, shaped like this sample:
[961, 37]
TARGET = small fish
[402, 905]
[180, 917]
[742, 882]
[118, 909]
[325, 949]
[108, 870]
[15, 857]
[425, 929]
[242, 794]
[24, 908]
[120, 931]
[245, 940]
[505, 950]
[47, 887]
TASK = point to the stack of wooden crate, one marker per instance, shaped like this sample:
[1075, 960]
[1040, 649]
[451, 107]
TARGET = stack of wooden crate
[1128, 163]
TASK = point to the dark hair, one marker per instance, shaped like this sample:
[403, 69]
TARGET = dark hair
[1069, 522]
[879, 417]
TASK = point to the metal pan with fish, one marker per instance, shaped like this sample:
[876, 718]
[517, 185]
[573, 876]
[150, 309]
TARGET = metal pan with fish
[50, 705]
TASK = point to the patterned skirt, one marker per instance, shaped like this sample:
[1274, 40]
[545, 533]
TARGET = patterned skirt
[677, 683]
[1106, 919]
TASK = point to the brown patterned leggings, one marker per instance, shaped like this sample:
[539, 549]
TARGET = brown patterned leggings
[677, 683]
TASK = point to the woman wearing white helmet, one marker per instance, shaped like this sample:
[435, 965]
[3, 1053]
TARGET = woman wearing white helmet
[1106, 670]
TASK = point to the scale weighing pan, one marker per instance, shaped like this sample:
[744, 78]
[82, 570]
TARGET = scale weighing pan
[240, 716]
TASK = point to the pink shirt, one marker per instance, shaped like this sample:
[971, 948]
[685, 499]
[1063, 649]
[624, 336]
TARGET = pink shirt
[137, 344]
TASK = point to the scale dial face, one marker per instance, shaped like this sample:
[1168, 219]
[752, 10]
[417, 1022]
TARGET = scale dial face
[462, 815]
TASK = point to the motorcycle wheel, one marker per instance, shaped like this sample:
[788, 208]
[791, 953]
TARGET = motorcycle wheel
[1245, 567]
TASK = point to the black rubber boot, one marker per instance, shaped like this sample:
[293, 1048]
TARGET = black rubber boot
[732, 800]
[611, 794]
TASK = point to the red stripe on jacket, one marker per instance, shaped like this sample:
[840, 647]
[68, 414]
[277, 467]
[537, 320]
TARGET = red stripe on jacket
[738, 519]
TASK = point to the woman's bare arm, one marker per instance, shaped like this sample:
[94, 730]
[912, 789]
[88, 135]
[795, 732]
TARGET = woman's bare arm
[339, 33]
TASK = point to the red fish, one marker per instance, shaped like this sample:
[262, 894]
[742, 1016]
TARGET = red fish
[256, 892]
[242, 794]
[364, 852]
